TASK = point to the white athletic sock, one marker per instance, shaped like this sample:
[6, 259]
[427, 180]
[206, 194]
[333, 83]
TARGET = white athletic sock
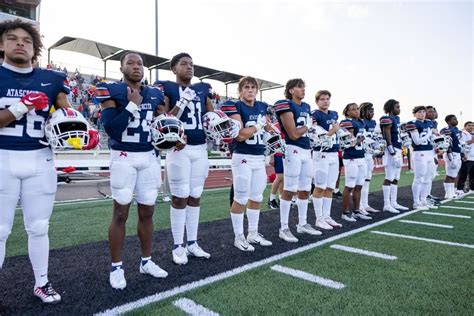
[178, 220]
[428, 187]
[38, 250]
[2, 252]
[336, 190]
[386, 195]
[237, 223]
[302, 211]
[393, 193]
[284, 213]
[272, 197]
[253, 217]
[415, 189]
[452, 189]
[424, 192]
[116, 264]
[446, 190]
[192, 222]
[327, 207]
[318, 207]
[364, 195]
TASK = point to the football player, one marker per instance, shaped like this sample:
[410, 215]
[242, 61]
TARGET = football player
[420, 131]
[366, 110]
[128, 109]
[27, 170]
[187, 167]
[392, 158]
[432, 115]
[295, 122]
[452, 158]
[248, 163]
[354, 165]
[325, 162]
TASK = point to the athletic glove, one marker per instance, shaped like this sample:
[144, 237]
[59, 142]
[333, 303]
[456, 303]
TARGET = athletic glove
[93, 140]
[186, 96]
[35, 100]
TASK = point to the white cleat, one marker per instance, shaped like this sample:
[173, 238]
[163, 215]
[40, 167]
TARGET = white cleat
[332, 222]
[460, 194]
[153, 269]
[370, 209]
[420, 207]
[307, 229]
[179, 256]
[195, 251]
[286, 235]
[349, 217]
[361, 214]
[399, 207]
[321, 223]
[47, 294]
[430, 205]
[117, 279]
[257, 238]
[389, 208]
[242, 243]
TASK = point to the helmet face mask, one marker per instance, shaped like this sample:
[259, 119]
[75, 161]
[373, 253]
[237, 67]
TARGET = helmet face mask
[273, 142]
[166, 132]
[345, 138]
[441, 142]
[67, 129]
[318, 138]
[217, 125]
[374, 145]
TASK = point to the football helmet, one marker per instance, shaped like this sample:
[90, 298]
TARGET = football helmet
[374, 145]
[441, 141]
[318, 138]
[66, 128]
[465, 148]
[218, 126]
[167, 131]
[273, 142]
[346, 139]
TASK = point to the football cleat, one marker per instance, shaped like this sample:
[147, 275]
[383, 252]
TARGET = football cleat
[430, 204]
[321, 223]
[307, 229]
[399, 207]
[153, 269]
[257, 238]
[362, 215]
[286, 235]
[460, 194]
[242, 243]
[348, 217]
[434, 198]
[195, 251]
[420, 207]
[389, 208]
[273, 204]
[332, 222]
[117, 278]
[47, 294]
[370, 209]
[179, 255]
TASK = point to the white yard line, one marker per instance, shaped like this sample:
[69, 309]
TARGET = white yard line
[467, 202]
[436, 241]
[227, 274]
[308, 277]
[447, 215]
[364, 252]
[189, 307]
[425, 223]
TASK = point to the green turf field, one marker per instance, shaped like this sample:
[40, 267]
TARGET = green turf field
[426, 278]
[75, 224]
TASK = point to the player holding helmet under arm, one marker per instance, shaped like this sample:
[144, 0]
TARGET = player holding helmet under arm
[392, 158]
[187, 168]
[295, 121]
[432, 115]
[128, 109]
[366, 114]
[452, 158]
[27, 171]
[325, 162]
[248, 163]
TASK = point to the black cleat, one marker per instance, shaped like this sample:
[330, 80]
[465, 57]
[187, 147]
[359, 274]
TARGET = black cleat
[273, 204]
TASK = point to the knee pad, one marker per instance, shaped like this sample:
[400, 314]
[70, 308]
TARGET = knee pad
[38, 228]
[122, 196]
[4, 232]
[320, 179]
[290, 183]
[241, 190]
[257, 198]
[147, 197]
[196, 191]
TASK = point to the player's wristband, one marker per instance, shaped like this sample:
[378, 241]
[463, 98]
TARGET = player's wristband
[182, 103]
[18, 110]
[391, 150]
[131, 107]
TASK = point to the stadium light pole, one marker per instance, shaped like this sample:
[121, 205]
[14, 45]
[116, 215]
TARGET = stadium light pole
[156, 37]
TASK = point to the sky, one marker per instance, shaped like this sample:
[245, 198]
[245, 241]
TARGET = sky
[419, 53]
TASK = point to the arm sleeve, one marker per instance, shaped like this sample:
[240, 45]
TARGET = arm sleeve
[115, 123]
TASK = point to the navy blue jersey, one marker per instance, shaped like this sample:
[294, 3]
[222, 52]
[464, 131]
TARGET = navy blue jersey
[434, 124]
[326, 120]
[369, 126]
[192, 115]
[455, 136]
[423, 128]
[356, 127]
[249, 115]
[27, 132]
[301, 113]
[394, 122]
[137, 137]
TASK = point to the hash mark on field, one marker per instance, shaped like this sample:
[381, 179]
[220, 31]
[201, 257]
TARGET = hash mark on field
[436, 241]
[459, 207]
[467, 202]
[189, 307]
[364, 252]
[308, 277]
[425, 223]
[447, 215]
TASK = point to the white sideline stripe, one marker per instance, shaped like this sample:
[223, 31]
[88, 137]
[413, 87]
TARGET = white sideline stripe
[425, 223]
[436, 241]
[189, 307]
[224, 275]
[467, 202]
[459, 208]
[447, 215]
[364, 252]
[308, 277]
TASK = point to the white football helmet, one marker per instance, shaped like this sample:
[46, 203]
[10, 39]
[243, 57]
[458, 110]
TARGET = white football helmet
[218, 126]
[374, 145]
[346, 139]
[465, 148]
[318, 138]
[273, 142]
[404, 136]
[167, 131]
[441, 141]
[66, 128]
